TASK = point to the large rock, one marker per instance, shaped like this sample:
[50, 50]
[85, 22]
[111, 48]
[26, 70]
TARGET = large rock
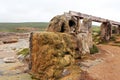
[64, 24]
[54, 53]
[53, 56]
[71, 25]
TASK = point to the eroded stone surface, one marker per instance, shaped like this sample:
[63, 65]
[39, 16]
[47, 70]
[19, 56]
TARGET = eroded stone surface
[17, 70]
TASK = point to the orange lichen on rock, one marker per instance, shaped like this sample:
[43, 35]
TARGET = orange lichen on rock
[53, 56]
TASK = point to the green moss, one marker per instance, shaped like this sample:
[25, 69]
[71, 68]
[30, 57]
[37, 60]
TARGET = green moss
[113, 38]
[94, 49]
[24, 52]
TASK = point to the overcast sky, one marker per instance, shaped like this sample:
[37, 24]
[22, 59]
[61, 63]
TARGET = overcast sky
[44, 10]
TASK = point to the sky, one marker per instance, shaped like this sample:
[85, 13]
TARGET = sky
[44, 10]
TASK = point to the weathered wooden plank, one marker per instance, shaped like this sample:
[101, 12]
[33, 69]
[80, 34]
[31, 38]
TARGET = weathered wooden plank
[114, 22]
[93, 18]
[81, 15]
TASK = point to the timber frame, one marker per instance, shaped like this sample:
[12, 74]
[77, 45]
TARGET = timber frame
[106, 26]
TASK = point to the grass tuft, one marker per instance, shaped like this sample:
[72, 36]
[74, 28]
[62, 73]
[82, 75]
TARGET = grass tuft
[94, 49]
[24, 52]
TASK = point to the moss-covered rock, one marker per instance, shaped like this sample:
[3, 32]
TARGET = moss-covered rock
[51, 54]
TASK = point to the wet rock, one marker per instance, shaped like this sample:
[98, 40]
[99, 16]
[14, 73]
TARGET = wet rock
[9, 60]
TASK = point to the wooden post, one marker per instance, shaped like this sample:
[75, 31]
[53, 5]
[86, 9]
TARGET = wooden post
[114, 29]
[103, 31]
[87, 24]
[118, 30]
[106, 31]
[78, 25]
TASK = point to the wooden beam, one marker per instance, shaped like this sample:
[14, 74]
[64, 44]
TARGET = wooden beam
[93, 18]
